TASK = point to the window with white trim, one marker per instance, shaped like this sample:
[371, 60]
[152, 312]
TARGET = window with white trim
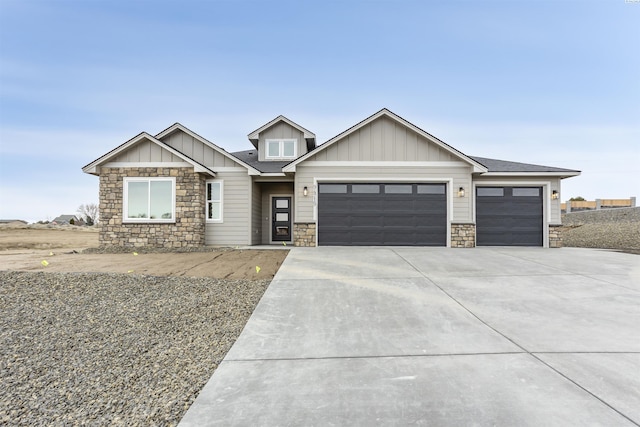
[149, 200]
[214, 201]
[281, 148]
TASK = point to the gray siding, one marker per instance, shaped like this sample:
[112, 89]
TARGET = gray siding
[198, 151]
[461, 176]
[256, 214]
[236, 211]
[384, 140]
[146, 151]
[551, 207]
[281, 130]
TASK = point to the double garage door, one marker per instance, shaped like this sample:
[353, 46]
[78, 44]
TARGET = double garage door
[399, 214]
[396, 214]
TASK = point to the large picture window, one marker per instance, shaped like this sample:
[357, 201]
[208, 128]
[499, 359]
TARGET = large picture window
[149, 199]
[214, 201]
[281, 148]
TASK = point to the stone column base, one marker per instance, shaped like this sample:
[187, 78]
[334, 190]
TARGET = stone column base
[463, 235]
[555, 236]
[304, 234]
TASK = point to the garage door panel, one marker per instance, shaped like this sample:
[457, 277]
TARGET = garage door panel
[398, 214]
[509, 216]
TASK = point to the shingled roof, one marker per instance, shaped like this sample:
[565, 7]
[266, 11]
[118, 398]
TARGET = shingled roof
[495, 165]
[250, 157]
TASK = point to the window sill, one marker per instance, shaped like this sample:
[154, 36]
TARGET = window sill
[148, 221]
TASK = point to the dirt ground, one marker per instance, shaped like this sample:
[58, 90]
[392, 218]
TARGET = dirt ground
[59, 250]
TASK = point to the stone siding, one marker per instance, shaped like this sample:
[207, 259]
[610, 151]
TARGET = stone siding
[188, 228]
[304, 234]
[463, 235]
[555, 236]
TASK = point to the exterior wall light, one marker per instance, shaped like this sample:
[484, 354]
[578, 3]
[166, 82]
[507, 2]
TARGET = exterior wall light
[461, 192]
[305, 191]
[555, 195]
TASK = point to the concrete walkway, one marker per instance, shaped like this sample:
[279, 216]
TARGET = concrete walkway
[438, 337]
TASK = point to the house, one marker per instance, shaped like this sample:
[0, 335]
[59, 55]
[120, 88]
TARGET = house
[67, 220]
[383, 181]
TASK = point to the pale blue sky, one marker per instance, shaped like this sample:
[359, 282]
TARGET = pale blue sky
[549, 82]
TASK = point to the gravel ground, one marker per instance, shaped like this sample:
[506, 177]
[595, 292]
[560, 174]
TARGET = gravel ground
[113, 349]
[606, 229]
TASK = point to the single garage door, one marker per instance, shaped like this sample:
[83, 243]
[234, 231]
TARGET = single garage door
[509, 216]
[396, 214]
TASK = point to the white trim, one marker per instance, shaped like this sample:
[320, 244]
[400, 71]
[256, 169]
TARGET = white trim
[532, 174]
[281, 142]
[320, 163]
[230, 169]
[147, 165]
[477, 167]
[271, 196]
[546, 206]
[178, 126]
[431, 180]
[206, 201]
[253, 136]
[125, 198]
[94, 167]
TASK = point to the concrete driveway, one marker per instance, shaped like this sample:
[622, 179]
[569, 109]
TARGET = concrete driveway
[435, 336]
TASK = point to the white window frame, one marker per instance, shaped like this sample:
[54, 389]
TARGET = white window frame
[125, 200]
[221, 201]
[281, 142]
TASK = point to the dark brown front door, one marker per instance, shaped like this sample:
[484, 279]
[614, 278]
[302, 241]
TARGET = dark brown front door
[281, 219]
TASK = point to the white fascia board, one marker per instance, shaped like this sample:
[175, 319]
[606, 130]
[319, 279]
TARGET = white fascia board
[477, 167]
[93, 167]
[253, 136]
[178, 126]
[382, 163]
[533, 174]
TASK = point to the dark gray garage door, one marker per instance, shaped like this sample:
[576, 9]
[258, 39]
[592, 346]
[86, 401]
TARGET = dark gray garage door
[353, 214]
[509, 216]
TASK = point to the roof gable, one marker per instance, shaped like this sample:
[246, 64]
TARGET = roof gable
[414, 143]
[309, 136]
[142, 138]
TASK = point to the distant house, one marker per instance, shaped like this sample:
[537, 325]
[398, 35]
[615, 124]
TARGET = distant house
[9, 221]
[66, 220]
[383, 181]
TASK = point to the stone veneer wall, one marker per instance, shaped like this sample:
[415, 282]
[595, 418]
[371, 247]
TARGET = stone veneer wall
[555, 236]
[463, 235]
[188, 229]
[304, 234]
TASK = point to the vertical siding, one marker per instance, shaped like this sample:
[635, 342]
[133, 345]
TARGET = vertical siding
[198, 151]
[461, 176]
[146, 151]
[384, 139]
[236, 211]
[281, 130]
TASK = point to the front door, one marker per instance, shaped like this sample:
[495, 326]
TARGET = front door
[281, 219]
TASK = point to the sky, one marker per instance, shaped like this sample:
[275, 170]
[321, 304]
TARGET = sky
[555, 83]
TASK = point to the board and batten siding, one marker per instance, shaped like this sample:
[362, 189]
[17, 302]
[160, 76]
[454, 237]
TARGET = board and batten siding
[146, 152]
[384, 140]
[198, 151]
[281, 130]
[552, 211]
[234, 230]
[306, 176]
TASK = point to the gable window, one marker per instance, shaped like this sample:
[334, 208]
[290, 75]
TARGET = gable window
[149, 200]
[281, 148]
[214, 201]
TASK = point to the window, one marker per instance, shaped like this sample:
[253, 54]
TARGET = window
[398, 188]
[365, 188]
[149, 199]
[431, 189]
[333, 188]
[214, 201]
[490, 192]
[281, 148]
[526, 192]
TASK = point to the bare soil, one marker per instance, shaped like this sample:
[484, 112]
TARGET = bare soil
[25, 248]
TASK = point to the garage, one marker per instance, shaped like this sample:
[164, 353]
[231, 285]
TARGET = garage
[382, 214]
[509, 216]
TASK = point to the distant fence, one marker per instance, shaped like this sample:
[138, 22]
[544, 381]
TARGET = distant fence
[573, 205]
